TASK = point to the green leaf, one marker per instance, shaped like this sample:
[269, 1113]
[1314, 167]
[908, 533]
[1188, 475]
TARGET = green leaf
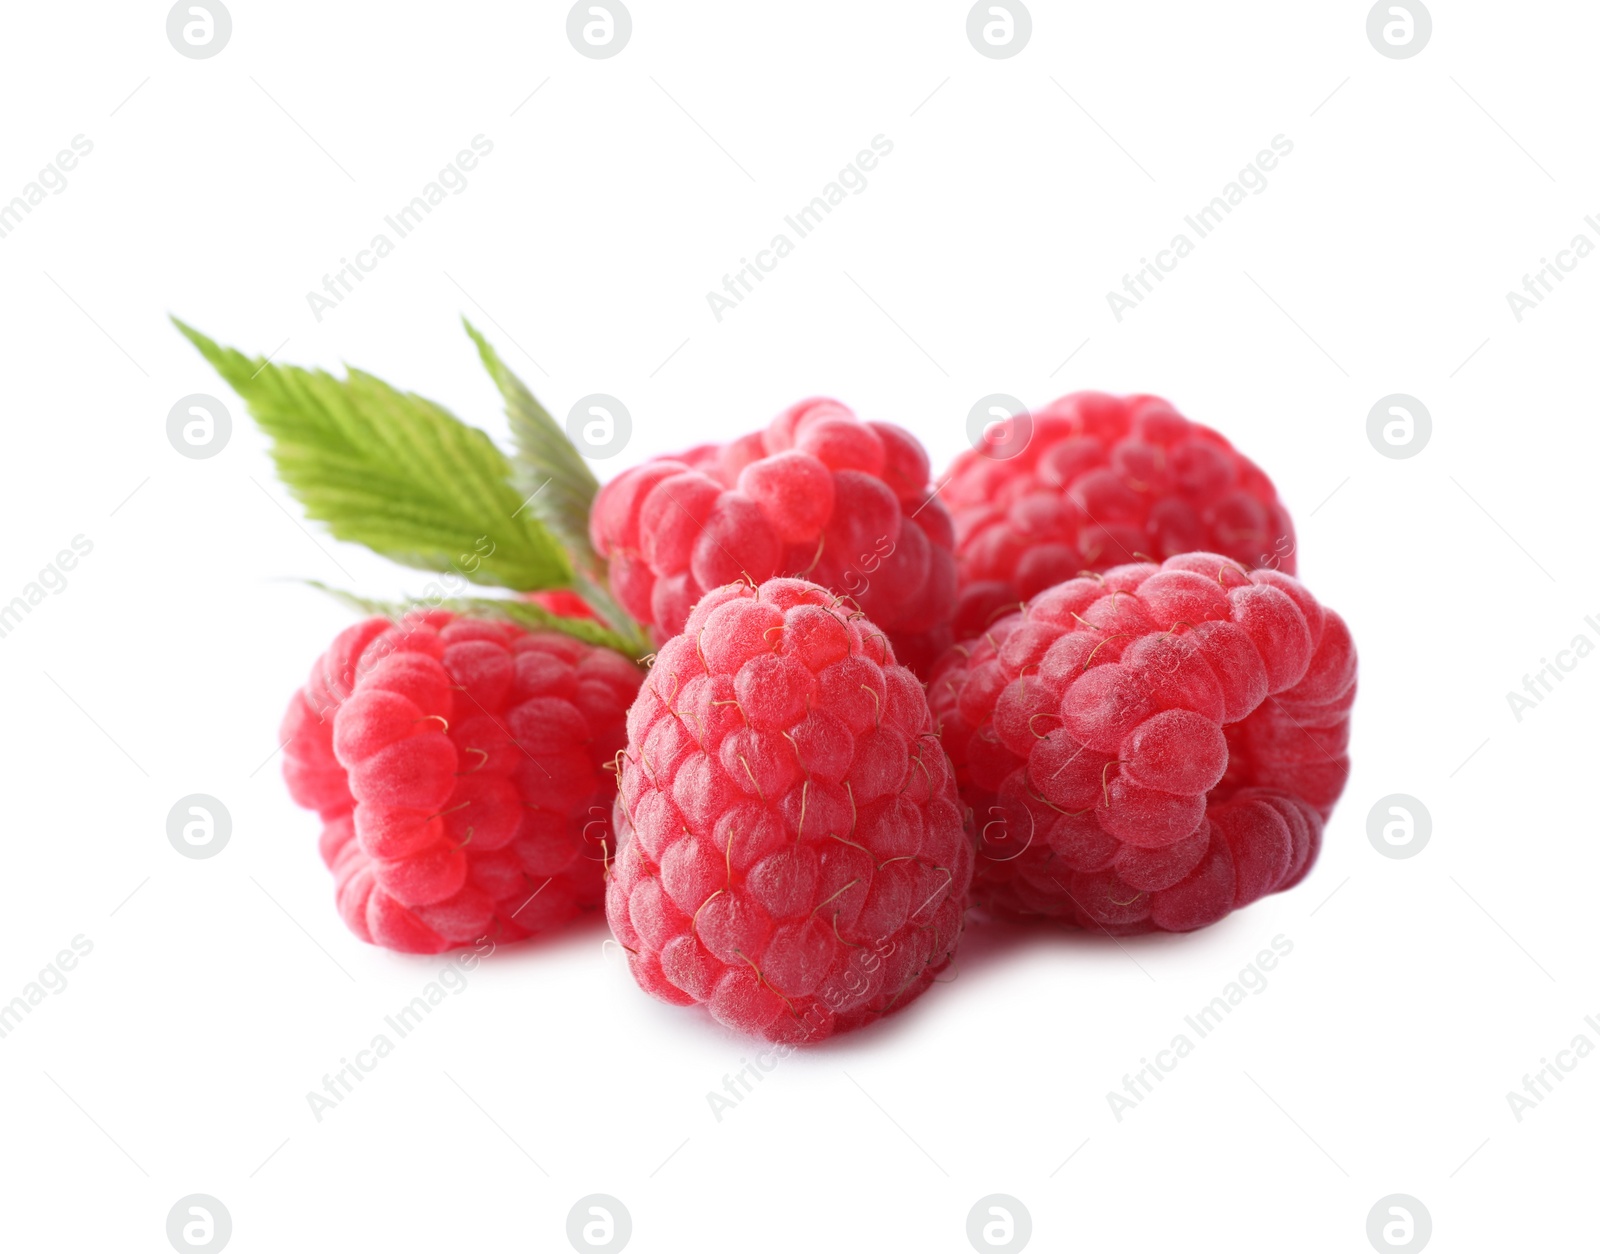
[556, 482]
[523, 613]
[394, 471]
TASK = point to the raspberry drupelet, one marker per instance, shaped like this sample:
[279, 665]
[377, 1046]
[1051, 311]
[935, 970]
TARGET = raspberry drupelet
[819, 494]
[1103, 480]
[1151, 748]
[459, 768]
[793, 852]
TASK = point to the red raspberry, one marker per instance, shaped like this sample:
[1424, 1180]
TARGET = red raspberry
[793, 854]
[819, 494]
[1150, 748]
[458, 766]
[1103, 480]
[564, 602]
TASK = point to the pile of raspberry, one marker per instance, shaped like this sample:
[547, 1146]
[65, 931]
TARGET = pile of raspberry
[1097, 482]
[819, 494]
[1135, 719]
[1151, 748]
[794, 856]
[458, 767]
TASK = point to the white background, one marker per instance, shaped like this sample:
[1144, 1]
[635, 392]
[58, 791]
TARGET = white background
[1377, 260]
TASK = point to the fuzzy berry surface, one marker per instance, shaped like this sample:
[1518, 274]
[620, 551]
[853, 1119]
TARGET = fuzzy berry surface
[459, 769]
[1150, 748]
[793, 851]
[1102, 481]
[819, 494]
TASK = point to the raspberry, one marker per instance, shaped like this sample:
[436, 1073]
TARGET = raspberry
[793, 853]
[1104, 480]
[564, 602]
[458, 768]
[819, 494]
[1150, 748]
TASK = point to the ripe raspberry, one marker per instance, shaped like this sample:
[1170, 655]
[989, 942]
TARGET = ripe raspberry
[1150, 748]
[1103, 480]
[819, 494]
[793, 854]
[564, 602]
[458, 767]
